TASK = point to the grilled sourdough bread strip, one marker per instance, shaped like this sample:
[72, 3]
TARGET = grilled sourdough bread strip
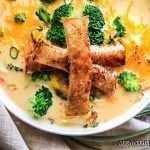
[80, 66]
[32, 66]
[56, 57]
[110, 55]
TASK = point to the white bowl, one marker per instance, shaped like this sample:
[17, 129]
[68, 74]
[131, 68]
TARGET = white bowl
[72, 131]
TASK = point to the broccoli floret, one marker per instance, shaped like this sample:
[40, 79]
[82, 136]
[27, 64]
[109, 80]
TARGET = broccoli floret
[96, 37]
[129, 81]
[48, 1]
[96, 23]
[20, 18]
[119, 26]
[65, 10]
[40, 76]
[43, 15]
[95, 16]
[57, 33]
[41, 102]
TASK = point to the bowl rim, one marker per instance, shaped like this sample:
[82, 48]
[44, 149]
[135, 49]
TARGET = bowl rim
[72, 131]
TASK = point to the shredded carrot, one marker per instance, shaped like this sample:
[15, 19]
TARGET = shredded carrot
[2, 81]
[144, 88]
[92, 117]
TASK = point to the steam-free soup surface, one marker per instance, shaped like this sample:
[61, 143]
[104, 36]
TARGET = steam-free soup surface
[135, 15]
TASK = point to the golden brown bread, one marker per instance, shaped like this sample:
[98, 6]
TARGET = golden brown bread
[52, 56]
[103, 79]
[80, 66]
[46, 55]
[112, 55]
[32, 66]
[58, 57]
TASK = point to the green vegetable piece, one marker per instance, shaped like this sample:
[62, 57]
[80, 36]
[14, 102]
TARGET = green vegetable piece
[14, 52]
[96, 24]
[43, 15]
[96, 37]
[129, 81]
[65, 10]
[119, 26]
[1, 32]
[41, 102]
[20, 18]
[57, 33]
[40, 76]
[14, 68]
[39, 28]
[92, 97]
[48, 1]
[96, 17]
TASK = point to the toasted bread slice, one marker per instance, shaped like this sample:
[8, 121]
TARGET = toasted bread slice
[32, 66]
[56, 57]
[80, 66]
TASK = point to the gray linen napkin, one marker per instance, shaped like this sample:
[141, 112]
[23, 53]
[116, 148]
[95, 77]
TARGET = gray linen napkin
[10, 138]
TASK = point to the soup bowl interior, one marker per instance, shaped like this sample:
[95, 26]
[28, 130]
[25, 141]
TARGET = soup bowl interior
[73, 131]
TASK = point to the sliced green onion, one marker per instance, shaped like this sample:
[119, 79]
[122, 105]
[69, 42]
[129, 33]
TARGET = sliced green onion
[39, 28]
[20, 18]
[43, 15]
[14, 52]
[119, 26]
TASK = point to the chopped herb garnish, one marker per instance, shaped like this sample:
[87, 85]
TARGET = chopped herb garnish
[14, 52]
[94, 123]
[39, 28]
[95, 93]
[1, 32]
[85, 126]
[48, 1]
[119, 26]
[32, 37]
[92, 97]
[14, 68]
[20, 18]
[40, 76]
[43, 15]
[92, 120]
[51, 120]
